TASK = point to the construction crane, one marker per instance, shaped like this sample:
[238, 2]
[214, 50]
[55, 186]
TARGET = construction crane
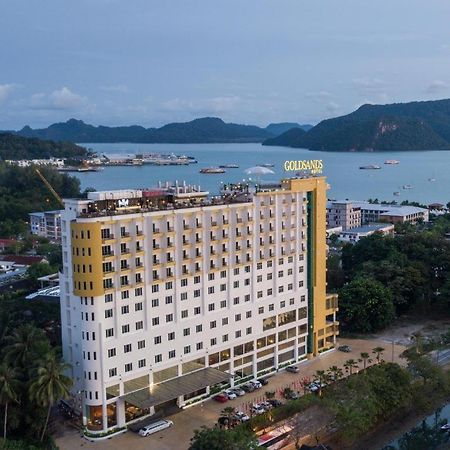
[49, 187]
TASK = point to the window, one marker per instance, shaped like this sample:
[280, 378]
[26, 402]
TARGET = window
[125, 294]
[108, 313]
[111, 352]
[235, 284]
[213, 324]
[127, 348]
[157, 340]
[259, 294]
[169, 300]
[224, 321]
[155, 302]
[187, 349]
[138, 292]
[141, 344]
[236, 301]
[199, 345]
[225, 338]
[211, 307]
[223, 287]
[171, 336]
[128, 367]
[261, 310]
[108, 298]
[141, 363]
[125, 329]
[138, 306]
[184, 313]
[247, 298]
[211, 290]
[238, 334]
[113, 372]
[213, 341]
[223, 303]
[184, 296]
[248, 314]
[172, 354]
[271, 307]
[197, 293]
[184, 282]
[248, 330]
[259, 278]
[155, 321]
[237, 317]
[282, 304]
[196, 279]
[139, 325]
[158, 358]
[199, 328]
[186, 332]
[197, 310]
[109, 332]
[169, 317]
[125, 309]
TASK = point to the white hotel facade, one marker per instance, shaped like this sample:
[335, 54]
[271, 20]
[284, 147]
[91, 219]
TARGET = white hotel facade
[167, 292]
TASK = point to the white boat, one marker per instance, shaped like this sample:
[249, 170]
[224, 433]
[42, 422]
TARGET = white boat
[370, 167]
[229, 166]
[267, 165]
[212, 170]
[432, 180]
[392, 161]
[396, 193]
[407, 186]
[446, 427]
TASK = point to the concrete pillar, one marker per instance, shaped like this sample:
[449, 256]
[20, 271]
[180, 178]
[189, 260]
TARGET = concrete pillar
[120, 411]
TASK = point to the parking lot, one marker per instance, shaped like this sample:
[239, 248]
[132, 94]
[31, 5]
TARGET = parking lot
[207, 413]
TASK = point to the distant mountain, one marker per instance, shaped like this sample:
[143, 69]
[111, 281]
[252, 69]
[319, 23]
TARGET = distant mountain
[204, 130]
[18, 147]
[293, 137]
[400, 126]
[279, 128]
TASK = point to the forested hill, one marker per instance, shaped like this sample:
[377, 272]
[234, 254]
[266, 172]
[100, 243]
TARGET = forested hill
[204, 130]
[17, 147]
[400, 126]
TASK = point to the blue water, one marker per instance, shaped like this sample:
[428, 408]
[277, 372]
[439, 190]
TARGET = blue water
[342, 170]
[426, 435]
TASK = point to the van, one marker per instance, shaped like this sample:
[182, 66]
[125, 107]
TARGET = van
[155, 427]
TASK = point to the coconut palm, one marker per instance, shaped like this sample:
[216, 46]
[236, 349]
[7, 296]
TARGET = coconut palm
[335, 373]
[24, 344]
[50, 385]
[378, 352]
[364, 358]
[349, 365]
[9, 386]
[229, 412]
[322, 377]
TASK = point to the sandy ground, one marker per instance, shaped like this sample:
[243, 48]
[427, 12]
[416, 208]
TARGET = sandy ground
[178, 437]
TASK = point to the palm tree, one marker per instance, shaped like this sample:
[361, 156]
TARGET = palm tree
[50, 385]
[270, 395]
[378, 352]
[322, 377]
[287, 392]
[23, 344]
[335, 373]
[349, 365]
[9, 385]
[364, 358]
[418, 339]
[229, 412]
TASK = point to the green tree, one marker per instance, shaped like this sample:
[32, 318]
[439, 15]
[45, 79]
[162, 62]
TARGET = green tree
[365, 305]
[229, 412]
[9, 386]
[322, 378]
[50, 385]
[350, 365]
[364, 358]
[219, 439]
[270, 395]
[378, 352]
[335, 373]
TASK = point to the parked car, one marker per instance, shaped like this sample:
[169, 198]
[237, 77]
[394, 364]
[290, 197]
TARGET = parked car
[223, 421]
[230, 394]
[238, 391]
[313, 387]
[242, 417]
[266, 405]
[258, 409]
[275, 403]
[292, 369]
[221, 398]
[345, 348]
[263, 381]
[293, 395]
[256, 383]
[155, 427]
[249, 387]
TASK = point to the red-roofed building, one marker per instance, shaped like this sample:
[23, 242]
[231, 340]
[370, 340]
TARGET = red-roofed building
[5, 243]
[24, 260]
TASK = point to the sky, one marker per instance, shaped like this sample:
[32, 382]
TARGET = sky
[148, 62]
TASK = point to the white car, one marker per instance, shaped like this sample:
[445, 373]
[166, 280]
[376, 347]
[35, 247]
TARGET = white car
[258, 409]
[230, 394]
[239, 392]
[266, 405]
[257, 384]
[242, 417]
[155, 427]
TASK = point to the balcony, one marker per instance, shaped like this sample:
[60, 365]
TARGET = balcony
[156, 231]
[239, 220]
[139, 233]
[186, 227]
[238, 233]
[110, 237]
[125, 267]
[213, 223]
[170, 229]
[110, 270]
[125, 234]
[225, 222]
[109, 254]
[124, 251]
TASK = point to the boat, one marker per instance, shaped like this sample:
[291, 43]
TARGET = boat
[392, 161]
[396, 193]
[407, 186]
[212, 170]
[229, 166]
[370, 167]
[432, 180]
[446, 427]
[267, 165]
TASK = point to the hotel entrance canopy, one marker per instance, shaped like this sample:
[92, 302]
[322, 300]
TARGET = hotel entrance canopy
[172, 389]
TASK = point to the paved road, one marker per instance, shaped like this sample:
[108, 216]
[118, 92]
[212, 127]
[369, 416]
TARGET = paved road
[178, 437]
[443, 357]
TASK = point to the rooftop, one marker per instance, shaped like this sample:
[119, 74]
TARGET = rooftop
[370, 227]
[388, 209]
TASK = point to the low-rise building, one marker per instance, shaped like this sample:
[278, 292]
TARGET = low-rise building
[343, 214]
[46, 224]
[355, 234]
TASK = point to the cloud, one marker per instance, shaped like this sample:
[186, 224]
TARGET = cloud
[209, 105]
[436, 86]
[5, 91]
[119, 88]
[332, 107]
[60, 99]
[319, 95]
[369, 85]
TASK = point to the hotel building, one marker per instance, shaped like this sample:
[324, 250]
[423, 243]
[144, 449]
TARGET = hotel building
[167, 292]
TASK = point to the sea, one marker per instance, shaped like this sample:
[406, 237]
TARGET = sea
[422, 176]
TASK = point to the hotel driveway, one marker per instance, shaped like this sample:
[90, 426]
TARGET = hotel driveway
[178, 437]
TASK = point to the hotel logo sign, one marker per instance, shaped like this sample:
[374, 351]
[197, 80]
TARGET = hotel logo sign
[311, 166]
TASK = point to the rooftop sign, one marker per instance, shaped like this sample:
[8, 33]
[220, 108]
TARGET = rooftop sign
[312, 166]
